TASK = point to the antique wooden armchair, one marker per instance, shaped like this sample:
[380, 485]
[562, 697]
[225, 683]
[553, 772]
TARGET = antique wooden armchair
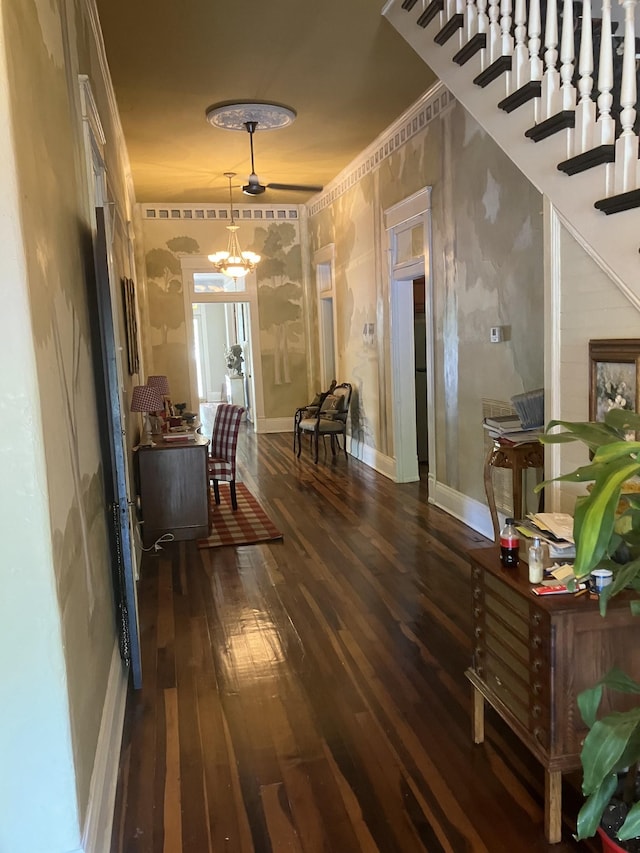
[329, 419]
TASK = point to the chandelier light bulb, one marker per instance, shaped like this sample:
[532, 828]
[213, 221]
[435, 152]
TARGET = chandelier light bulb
[233, 262]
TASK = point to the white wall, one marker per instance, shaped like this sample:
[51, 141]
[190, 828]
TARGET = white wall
[591, 307]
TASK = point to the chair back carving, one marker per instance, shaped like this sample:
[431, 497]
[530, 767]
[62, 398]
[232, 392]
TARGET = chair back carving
[336, 402]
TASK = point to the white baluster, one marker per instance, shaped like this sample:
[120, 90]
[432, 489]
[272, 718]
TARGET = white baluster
[471, 20]
[567, 57]
[550, 78]
[535, 62]
[520, 56]
[586, 109]
[605, 125]
[506, 39]
[483, 24]
[626, 169]
[494, 30]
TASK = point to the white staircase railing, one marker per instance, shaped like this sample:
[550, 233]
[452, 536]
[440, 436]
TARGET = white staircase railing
[571, 103]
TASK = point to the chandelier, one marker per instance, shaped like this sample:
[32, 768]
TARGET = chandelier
[234, 263]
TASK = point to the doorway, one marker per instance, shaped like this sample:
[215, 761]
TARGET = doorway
[223, 313]
[408, 225]
[323, 261]
[420, 340]
[217, 327]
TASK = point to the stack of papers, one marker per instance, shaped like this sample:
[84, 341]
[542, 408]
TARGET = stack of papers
[507, 429]
[554, 528]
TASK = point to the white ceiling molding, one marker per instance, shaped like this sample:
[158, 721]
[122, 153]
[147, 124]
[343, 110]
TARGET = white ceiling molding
[209, 212]
[94, 20]
[412, 121]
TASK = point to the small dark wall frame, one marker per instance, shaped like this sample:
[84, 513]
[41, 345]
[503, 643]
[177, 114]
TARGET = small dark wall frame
[614, 376]
[131, 325]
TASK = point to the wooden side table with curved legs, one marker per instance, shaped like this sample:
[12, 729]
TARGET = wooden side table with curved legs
[517, 457]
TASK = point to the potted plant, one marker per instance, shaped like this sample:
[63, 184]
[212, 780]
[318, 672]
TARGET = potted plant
[607, 535]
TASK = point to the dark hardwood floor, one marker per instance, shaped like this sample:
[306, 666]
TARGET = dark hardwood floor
[308, 694]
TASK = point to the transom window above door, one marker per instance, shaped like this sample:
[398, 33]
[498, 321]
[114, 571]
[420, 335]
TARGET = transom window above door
[205, 282]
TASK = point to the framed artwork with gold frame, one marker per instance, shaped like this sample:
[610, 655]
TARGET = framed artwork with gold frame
[131, 325]
[614, 376]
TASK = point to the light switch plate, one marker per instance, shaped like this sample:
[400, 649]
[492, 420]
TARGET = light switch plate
[496, 335]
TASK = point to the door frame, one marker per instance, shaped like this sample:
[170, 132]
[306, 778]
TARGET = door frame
[201, 264]
[402, 217]
[325, 258]
[114, 451]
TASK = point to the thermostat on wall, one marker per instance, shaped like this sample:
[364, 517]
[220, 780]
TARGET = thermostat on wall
[497, 335]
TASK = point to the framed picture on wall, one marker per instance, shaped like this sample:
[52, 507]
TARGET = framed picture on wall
[614, 376]
[131, 325]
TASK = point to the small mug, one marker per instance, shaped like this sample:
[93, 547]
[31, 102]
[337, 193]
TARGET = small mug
[601, 578]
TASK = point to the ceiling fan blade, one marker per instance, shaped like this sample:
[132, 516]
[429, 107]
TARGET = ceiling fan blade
[295, 188]
[253, 185]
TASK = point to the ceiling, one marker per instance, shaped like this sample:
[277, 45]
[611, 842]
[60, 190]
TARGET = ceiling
[338, 63]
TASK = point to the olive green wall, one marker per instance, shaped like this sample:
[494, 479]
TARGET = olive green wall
[280, 302]
[487, 263]
[57, 612]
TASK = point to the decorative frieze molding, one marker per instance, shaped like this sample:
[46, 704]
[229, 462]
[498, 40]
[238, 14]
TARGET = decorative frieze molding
[205, 212]
[411, 122]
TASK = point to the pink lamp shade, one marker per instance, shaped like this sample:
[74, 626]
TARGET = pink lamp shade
[161, 383]
[146, 398]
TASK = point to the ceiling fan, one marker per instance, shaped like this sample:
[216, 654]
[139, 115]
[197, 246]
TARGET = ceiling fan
[253, 185]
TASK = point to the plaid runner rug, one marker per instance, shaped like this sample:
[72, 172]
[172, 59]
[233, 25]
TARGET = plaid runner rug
[247, 525]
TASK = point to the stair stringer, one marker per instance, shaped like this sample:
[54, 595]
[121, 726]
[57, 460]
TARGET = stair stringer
[612, 241]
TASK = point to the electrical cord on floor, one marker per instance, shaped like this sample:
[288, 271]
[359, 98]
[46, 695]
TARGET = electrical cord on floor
[166, 537]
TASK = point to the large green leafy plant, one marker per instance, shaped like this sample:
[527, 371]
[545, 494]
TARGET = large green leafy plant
[607, 534]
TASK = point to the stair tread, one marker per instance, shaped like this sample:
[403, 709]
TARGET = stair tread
[560, 121]
[618, 203]
[502, 64]
[588, 159]
[521, 96]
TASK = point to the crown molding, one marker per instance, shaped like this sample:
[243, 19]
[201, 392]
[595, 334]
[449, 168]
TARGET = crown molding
[413, 121]
[94, 21]
[204, 212]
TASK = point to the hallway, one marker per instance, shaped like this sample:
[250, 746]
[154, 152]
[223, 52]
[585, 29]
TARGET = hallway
[308, 694]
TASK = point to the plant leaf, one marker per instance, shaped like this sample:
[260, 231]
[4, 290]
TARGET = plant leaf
[604, 744]
[594, 517]
[590, 814]
[631, 827]
[623, 420]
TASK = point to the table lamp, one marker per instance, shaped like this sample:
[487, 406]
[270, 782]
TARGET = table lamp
[146, 399]
[162, 384]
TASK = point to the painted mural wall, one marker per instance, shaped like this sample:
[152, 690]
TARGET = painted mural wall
[487, 270]
[60, 632]
[281, 301]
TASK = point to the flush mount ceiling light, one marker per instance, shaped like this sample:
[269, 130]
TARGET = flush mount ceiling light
[234, 115]
[233, 262]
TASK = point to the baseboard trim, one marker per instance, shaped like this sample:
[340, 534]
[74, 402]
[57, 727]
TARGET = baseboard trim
[471, 512]
[98, 823]
[384, 465]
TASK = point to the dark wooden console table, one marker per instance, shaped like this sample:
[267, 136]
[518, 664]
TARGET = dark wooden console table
[533, 655]
[173, 485]
[517, 457]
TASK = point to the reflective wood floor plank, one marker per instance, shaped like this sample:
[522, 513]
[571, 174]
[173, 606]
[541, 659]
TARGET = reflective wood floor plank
[308, 695]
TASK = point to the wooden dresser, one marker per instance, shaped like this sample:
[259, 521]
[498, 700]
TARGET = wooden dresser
[173, 485]
[533, 655]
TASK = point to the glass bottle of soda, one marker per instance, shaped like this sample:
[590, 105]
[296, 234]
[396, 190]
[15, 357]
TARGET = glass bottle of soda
[509, 544]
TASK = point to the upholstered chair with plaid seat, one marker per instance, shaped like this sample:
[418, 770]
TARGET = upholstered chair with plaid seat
[222, 456]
